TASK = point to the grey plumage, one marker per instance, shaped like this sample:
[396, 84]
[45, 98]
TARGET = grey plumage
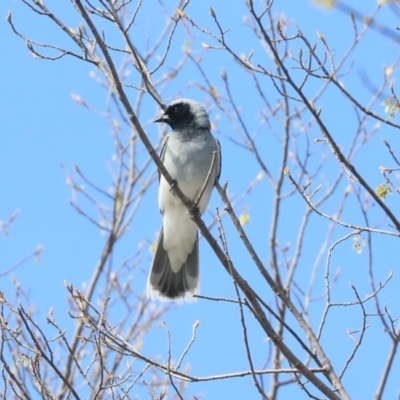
[187, 153]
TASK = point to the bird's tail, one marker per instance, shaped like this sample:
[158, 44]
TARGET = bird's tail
[164, 284]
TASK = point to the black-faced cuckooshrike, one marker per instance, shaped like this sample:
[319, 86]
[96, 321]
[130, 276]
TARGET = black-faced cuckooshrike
[187, 153]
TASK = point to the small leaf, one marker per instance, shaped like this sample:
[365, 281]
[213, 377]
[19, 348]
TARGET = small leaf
[388, 71]
[244, 219]
[382, 191]
[180, 13]
[358, 246]
[286, 171]
[391, 106]
[118, 200]
[385, 2]
[328, 4]
[153, 248]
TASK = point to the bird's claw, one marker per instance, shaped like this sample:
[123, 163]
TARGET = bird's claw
[173, 185]
[194, 212]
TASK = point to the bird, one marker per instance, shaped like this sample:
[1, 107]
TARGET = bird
[192, 156]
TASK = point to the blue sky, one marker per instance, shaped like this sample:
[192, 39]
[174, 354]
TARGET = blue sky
[44, 133]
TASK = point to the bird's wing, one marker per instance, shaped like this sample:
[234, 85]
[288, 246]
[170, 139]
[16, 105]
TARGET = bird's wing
[220, 160]
[162, 157]
[162, 153]
[163, 147]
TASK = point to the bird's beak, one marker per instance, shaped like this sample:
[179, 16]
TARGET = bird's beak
[162, 118]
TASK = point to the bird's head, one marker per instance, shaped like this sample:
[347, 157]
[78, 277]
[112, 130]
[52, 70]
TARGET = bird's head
[184, 113]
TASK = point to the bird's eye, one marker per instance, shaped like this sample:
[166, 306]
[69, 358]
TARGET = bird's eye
[176, 108]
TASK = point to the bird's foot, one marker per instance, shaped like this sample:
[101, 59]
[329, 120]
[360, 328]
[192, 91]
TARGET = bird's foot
[194, 212]
[173, 185]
